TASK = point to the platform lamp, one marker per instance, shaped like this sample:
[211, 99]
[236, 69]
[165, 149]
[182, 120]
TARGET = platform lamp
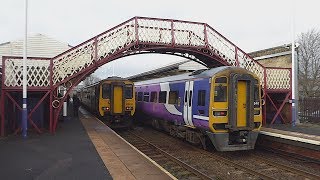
[24, 120]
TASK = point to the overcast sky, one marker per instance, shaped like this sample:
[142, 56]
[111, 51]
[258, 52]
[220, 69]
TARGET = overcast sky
[250, 24]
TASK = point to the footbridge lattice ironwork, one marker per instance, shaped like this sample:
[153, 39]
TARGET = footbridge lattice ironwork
[192, 40]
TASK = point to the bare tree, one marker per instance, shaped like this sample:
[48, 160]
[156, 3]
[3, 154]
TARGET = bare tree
[309, 63]
[90, 80]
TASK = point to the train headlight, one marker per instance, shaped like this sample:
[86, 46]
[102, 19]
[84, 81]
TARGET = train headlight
[219, 113]
[129, 108]
[105, 108]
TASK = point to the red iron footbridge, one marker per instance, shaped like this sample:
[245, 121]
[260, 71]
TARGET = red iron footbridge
[138, 35]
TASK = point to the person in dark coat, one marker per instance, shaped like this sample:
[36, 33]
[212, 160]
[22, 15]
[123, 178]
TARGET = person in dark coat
[76, 105]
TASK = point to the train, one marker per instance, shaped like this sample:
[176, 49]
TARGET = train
[219, 106]
[112, 100]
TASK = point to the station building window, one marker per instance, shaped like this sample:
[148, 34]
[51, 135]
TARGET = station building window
[163, 97]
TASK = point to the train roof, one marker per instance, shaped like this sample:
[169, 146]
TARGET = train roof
[112, 78]
[202, 73]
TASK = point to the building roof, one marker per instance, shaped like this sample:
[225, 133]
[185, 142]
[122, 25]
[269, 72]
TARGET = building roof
[171, 69]
[38, 45]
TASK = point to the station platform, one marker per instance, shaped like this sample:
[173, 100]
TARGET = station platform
[302, 140]
[82, 148]
[68, 154]
[305, 133]
[122, 159]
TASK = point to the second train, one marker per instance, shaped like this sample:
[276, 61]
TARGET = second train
[112, 99]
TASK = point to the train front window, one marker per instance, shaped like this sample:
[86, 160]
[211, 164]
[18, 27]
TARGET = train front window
[128, 91]
[221, 80]
[106, 91]
[220, 93]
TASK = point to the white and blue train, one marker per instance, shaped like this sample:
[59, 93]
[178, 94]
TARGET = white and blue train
[220, 105]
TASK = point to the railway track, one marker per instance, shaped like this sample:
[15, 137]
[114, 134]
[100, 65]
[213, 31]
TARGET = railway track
[289, 168]
[214, 165]
[266, 165]
[176, 167]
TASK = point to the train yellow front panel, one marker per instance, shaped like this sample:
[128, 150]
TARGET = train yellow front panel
[117, 99]
[241, 105]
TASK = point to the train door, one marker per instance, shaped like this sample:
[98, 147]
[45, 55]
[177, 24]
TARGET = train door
[187, 108]
[117, 99]
[242, 104]
[241, 101]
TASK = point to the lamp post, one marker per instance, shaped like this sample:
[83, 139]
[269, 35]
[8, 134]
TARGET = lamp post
[24, 123]
[294, 84]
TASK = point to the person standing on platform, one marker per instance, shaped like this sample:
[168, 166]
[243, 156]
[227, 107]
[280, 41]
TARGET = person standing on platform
[76, 105]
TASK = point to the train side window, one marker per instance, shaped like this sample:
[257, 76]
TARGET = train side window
[106, 91]
[146, 96]
[220, 93]
[201, 97]
[140, 96]
[154, 97]
[128, 91]
[173, 97]
[163, 97]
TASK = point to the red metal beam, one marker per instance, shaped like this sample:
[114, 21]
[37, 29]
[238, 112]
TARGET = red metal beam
[275, 107]
[136, 30]
[173, 41]
[38, 104]
[2, 110]
[205, 35]
[280, 108]
[57, 111]
[14, 101]
[264, 118]
[51, 112]
[30, 114]
[237, 60]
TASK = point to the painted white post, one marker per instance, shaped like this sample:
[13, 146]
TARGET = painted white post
[24, 120]
[294, 72]
[64, 104]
